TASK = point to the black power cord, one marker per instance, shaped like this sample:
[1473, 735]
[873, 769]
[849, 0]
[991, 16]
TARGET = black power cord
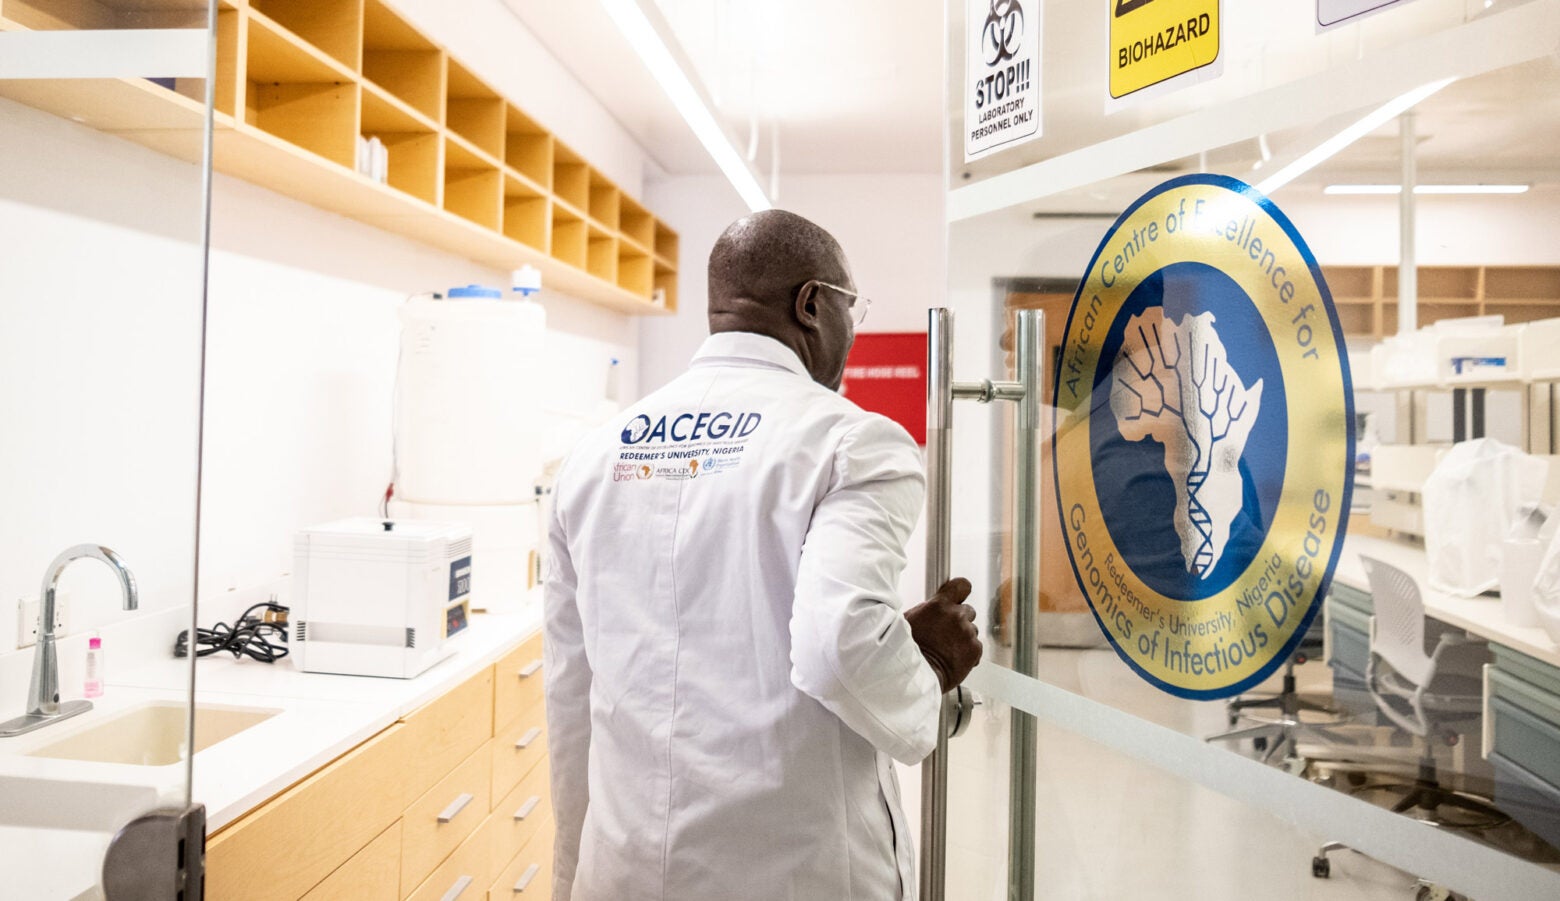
[261, 637]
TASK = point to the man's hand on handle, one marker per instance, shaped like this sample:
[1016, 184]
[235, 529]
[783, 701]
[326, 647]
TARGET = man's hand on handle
[944, 628]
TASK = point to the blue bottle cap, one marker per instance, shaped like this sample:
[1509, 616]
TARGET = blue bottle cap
[474, 291]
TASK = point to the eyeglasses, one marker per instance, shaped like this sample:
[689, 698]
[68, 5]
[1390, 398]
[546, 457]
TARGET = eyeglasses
[856, 303]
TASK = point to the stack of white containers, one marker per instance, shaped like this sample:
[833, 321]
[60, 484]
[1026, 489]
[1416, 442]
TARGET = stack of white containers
[469, 436]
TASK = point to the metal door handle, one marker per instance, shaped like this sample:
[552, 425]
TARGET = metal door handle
[528, 806]
[529, 736]
[959, 709]
[458, 888]
[527, 876]
[456, 806]
[530, 669]
[941, 391]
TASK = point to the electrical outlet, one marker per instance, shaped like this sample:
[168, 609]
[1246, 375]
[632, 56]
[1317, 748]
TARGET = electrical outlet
[27, 619]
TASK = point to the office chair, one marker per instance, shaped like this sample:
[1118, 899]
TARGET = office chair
[1276, 737]
[1424, 695]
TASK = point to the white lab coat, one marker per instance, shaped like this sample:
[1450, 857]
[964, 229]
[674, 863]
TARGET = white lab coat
[729, 670]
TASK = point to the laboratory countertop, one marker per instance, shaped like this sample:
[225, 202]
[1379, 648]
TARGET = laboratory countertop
[1482, 615]
[317, 718]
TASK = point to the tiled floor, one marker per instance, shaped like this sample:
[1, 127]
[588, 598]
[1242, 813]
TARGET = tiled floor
[1113, 827]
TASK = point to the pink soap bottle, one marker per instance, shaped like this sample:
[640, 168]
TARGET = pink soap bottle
[94, 681]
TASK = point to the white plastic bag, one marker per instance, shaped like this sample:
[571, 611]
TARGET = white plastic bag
[1546, 589]
[1471, 500]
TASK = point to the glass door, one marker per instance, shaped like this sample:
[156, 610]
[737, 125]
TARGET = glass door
[1232, 445]
[104, 173]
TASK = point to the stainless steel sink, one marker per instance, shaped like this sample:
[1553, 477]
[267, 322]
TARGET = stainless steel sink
[154, 734]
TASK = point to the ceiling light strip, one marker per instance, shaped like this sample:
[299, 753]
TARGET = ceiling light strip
[1325, 151]
[636, 27]
[1427, 189]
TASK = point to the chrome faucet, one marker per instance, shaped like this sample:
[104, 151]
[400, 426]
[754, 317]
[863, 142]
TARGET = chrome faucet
[43, 695]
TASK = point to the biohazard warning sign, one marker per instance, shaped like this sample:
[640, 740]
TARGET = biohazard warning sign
[1154, 41]
[1002, 64]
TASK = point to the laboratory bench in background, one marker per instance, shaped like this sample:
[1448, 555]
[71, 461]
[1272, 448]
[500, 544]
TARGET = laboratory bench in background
[1521, 723]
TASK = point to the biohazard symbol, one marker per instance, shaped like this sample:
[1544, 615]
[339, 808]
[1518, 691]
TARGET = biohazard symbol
[1003, 32]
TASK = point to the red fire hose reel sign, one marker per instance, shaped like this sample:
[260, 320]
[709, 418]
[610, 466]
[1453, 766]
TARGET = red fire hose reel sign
[886, 373]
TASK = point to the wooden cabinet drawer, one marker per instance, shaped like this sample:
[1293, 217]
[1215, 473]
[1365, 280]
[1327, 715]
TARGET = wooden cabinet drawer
[460, 878]
[444, 817]
[373, 874]
[520, 816]
[517, 682]
[294, 841]
[529, 875]
[445, 732]
[518, 748]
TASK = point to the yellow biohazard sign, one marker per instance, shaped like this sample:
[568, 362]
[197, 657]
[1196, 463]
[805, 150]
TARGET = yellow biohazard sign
[1153, 41]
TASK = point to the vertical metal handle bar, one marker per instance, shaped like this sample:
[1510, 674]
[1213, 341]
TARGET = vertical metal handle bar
[939, 416]
[1026, 584]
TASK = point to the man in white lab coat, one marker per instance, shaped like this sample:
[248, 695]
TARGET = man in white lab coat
[729, 672]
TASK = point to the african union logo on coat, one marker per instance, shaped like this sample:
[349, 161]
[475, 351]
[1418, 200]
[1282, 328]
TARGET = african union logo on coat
[1204, 445]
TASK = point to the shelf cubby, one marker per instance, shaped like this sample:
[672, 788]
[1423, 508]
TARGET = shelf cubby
[1357, 319]
[637, 223]
[605, 201]
[1350, 282]
[475, 111]
[413, 147]
[403, 62]
[525, 213]
[473, 187]
[296, 95]
[571, 178]
[665, 245]
[105, 15]
[1524, 283]
[1460, 283]
[601, 254]
[298, 82]
[568, 244]
[635, 269]
[228, 25]
[528, 148]
[663, 291]
[334, 27]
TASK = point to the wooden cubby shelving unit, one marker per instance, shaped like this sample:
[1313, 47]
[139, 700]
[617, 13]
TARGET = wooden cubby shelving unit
[299, 80]
[1366, 296]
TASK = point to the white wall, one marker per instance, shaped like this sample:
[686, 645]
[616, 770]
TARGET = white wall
[99, 366]
[890, 226]
[100, 347]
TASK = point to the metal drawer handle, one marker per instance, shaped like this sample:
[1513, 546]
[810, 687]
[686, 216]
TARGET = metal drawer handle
[530, 735]
[455, 890]
[527, 876]
[456, 806]
[530, 668]
[528, 806]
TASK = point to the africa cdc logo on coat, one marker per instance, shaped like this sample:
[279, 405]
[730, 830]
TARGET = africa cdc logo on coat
[1204, 450]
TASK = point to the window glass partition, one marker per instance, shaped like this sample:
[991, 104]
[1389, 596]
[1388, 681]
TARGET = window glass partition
[104, 173]
[1189, 792]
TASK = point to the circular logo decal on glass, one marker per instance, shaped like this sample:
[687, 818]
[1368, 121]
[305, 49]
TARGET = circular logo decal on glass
[1204, 453]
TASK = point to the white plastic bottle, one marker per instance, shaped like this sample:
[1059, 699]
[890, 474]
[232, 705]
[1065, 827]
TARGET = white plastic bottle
[93, 687]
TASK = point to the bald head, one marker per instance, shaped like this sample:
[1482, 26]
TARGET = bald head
[757, 268]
